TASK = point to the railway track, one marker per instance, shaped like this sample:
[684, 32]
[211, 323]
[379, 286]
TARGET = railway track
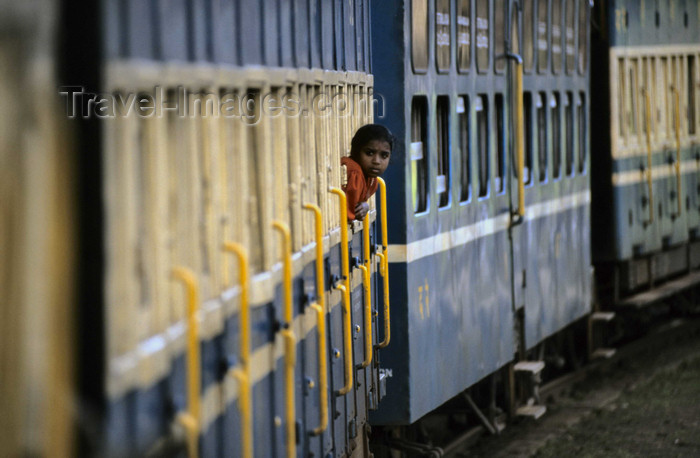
[573, 396]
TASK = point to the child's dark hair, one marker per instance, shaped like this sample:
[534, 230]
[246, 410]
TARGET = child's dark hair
[369, 132]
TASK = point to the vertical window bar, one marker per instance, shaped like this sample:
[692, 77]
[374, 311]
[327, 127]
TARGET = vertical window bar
[690, 82]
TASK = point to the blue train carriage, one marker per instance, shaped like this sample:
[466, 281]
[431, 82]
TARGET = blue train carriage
[223, 330]
[479, 250]
[645, 134]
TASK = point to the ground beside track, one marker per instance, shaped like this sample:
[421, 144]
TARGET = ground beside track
[645, 404]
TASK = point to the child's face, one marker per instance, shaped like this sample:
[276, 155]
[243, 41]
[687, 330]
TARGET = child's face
[374, 158]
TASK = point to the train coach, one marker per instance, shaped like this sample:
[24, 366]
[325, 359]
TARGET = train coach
[645, 183]
[227, 306]
[489, 247]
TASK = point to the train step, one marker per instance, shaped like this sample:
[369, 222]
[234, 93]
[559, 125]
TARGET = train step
[533, 411]
[533, 367]
[603, 353]
[602, 316]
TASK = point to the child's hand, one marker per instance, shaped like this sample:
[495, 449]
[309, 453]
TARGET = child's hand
[361, 210]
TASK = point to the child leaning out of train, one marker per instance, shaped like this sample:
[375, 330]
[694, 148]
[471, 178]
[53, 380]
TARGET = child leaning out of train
[369, 157]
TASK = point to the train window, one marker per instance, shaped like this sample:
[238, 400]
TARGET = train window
[690, 82]
[621, 97]
[581, 116]
[570, 37]
[464, 35]
[542, 36]
[527, 133]
[556, 135]
[632, 100]
[481, 107]
[465, 148]
[643, 93]
[556, 36]
[662, 111]
[442, 35]
[569, 132]
[443, 151]
[419, 162]
[528, 35]
[499, 38]
[582, 35]
[419, 35]
[500, 144]
[254, 202]
[482, 35]
[672, 87]
[542, 135]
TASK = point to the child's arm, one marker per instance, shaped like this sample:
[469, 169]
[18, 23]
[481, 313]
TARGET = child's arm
[352, 193]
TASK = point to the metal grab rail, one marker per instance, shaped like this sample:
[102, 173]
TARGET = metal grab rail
[678, 148]
[647, 103]
[191, 419]
[519, 131]
[367, 285]
[345, 290]
[384, 265]
[288, 335]
[368, 317]
[322, 369]
[243, 374]
[320, 308]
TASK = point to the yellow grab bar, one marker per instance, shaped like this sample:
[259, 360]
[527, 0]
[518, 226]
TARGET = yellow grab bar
[320, 283]
[288, 334]
[191, 418]
[384, 257]
[322, 369]
[345, 290]
[367, 285]
[243, 374]
[678, 149]
[519, 135]
[320, 307]
[368, 317]
[647, 103]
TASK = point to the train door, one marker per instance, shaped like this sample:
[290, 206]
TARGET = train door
[516, 158]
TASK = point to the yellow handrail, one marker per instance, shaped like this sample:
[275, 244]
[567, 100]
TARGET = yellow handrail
[368, 317]
[649, 163]
[191, 419]
[288, 334]
[320, 307]
[322, 369]
[320, 283]
[243, 374]
[384, 257]
[367, 285]
[519, 135]
[345, 290]
[678, 149]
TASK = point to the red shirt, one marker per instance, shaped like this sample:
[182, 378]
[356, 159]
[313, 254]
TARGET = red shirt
[359, 188]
